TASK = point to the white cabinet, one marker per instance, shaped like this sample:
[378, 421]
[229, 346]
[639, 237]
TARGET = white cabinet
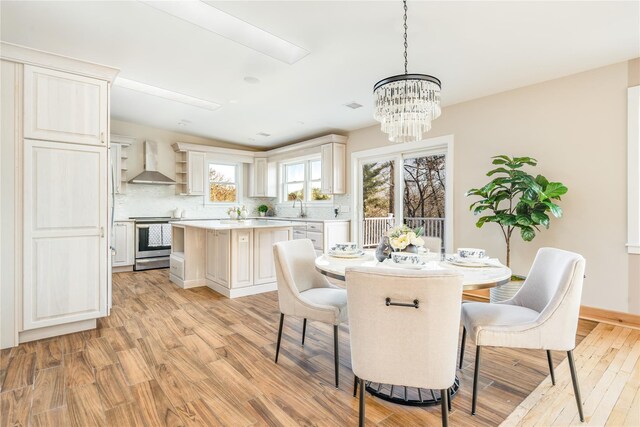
[123, 244]
[65, 224]
[65, 107]
[263, 178]
[241, 258]
[323, 234]
[190, 173]
[217, 257]
[333, 157]
[263, 239]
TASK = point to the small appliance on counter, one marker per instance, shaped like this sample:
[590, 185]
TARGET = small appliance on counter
[153, 242]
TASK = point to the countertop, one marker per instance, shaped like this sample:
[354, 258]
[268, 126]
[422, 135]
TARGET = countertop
[232, 224]
[262, 218]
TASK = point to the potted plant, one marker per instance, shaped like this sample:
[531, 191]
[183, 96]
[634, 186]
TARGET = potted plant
[263, 209]
[515, 200]
[405, 238]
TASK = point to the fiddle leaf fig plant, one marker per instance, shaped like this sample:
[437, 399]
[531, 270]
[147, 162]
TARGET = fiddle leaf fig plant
[513, 199]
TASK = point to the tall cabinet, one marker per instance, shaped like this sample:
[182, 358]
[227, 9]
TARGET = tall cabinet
[63, 166]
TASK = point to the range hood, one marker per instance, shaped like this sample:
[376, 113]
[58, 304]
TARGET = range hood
[150, 175]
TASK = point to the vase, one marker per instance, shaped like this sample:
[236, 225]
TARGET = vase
[233, 214]
[413, 249]
[383, 251]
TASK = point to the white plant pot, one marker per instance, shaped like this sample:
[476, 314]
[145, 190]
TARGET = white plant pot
[262, 213]
[506, 291]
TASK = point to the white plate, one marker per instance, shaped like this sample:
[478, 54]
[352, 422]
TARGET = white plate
[420, 266]
[465, 262]
[359, 254]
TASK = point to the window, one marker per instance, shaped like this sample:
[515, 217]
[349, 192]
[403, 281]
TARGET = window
[302, 180]
[223, 183]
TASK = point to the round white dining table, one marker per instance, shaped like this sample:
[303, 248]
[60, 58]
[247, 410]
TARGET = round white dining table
[472, 277]
[488, 276]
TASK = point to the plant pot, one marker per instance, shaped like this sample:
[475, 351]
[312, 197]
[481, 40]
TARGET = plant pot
[508, 290]
[411, 249]
[262, 213]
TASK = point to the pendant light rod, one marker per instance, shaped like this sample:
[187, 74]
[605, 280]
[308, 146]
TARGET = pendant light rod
[406, 43]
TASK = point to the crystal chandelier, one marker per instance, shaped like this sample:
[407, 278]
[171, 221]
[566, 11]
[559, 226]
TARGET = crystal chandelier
[406, 104]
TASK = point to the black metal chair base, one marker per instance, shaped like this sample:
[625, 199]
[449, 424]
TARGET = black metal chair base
[409, 396]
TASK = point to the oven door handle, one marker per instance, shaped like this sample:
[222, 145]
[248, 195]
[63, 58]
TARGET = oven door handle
[141, 226]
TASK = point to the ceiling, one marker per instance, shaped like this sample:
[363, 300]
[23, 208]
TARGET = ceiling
[475, 48]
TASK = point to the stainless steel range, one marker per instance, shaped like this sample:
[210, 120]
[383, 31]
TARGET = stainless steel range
[153, 242]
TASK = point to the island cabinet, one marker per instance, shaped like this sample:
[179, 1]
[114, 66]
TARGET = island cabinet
[229, 256]
[264, 270]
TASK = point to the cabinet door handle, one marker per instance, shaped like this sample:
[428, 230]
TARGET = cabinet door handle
[102, 232]
[102, 137]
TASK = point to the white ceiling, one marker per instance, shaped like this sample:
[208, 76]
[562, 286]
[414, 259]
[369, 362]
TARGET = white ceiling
[475, 48]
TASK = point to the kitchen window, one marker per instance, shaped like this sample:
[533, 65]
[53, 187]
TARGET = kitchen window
[224, 186]
[302, 180]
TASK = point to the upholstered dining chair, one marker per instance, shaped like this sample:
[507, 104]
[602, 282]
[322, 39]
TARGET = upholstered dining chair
[404, 328]
[305, 293]
[434, 244]
[542, 315]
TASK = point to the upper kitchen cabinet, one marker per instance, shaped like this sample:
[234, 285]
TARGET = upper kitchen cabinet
[65, 107]
[190, 173]
[263, 178]
[333, 156]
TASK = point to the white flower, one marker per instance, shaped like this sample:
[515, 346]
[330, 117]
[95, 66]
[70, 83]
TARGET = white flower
[417, 241]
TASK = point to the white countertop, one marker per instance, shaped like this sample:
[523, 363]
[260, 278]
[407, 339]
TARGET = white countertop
[228, 224]
[262, 218]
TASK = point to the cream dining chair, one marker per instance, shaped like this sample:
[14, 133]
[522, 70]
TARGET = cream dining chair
[434, 244]
[542, 315]
[404, 328]
[305, 293]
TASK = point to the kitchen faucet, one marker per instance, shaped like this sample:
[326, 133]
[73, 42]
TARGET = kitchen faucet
[302, 213]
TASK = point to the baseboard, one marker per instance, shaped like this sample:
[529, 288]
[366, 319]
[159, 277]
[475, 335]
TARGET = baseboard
[122, 269]
[586, 313]
[609, 316]
[242, 292]
[54, 331]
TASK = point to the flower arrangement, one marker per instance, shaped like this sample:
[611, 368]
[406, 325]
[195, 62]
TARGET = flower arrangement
[402, 236]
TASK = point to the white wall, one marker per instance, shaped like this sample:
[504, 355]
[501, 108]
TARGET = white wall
[576, 127]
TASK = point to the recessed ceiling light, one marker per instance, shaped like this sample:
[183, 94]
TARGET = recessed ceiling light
[263, 134]
[211, 19]
[353, 105]
[166, 94]
[252, 80]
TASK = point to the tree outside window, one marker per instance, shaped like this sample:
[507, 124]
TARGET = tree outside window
[223, 186]
[303, 181]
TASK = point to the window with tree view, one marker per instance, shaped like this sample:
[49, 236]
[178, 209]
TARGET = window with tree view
[223, 185]
[303, 181]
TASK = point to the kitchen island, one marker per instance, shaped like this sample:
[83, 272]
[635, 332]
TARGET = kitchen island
[232, 257]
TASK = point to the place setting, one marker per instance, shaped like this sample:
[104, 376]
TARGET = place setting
[471, 258]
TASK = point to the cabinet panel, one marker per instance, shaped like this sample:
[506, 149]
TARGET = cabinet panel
[123, 239]
[196, 174]
[116, 167]
[64, 107]
[222, 248]
[264, 267]
[242, 258]
[210, 262]
[263, 178]
[326, 156]
[65, 247]
[333, 158]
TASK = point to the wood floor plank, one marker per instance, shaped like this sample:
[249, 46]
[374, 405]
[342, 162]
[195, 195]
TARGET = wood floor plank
[112, 386]
[48, 393]
[49, 353]
[54, 418]
[99, 353]
[155, 407]
[20, 372]
[84, 406]
[134, 367]
[15, 406]
[77, 371]
[127, 415]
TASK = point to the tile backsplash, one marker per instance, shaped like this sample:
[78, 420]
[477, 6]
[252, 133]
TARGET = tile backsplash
[161, 200]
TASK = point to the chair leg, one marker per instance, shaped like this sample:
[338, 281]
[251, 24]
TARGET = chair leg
[464, 339]
[550, 360]
[444, 399]
[304, 329]
[335, 353]
[449, 399]
[279, 336]
[361, 416]
[355, 385]
[576, 387]
[475, 382]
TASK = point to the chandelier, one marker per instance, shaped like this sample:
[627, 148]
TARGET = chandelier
[406, 104]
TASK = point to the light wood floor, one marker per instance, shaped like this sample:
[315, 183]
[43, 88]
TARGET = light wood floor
[176, 357]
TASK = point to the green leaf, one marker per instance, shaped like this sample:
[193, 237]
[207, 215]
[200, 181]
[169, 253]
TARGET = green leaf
[555, 209]
[507, 219]
[484, 219]
[498, 170]
[523, 220]
[480, 208]
[526, 160]
[555, 189]
[527, 233]
[540, 218]
[542, 181]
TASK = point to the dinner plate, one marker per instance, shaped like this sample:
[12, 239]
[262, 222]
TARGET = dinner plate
[392, 264]
[351, 255]
[466, 262]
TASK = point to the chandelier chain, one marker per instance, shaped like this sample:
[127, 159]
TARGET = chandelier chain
[406, 44]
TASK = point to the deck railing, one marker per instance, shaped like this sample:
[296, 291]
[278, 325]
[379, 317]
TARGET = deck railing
[374, 228]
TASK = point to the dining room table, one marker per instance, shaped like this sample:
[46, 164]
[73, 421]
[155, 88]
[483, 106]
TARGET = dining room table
[476, 274]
